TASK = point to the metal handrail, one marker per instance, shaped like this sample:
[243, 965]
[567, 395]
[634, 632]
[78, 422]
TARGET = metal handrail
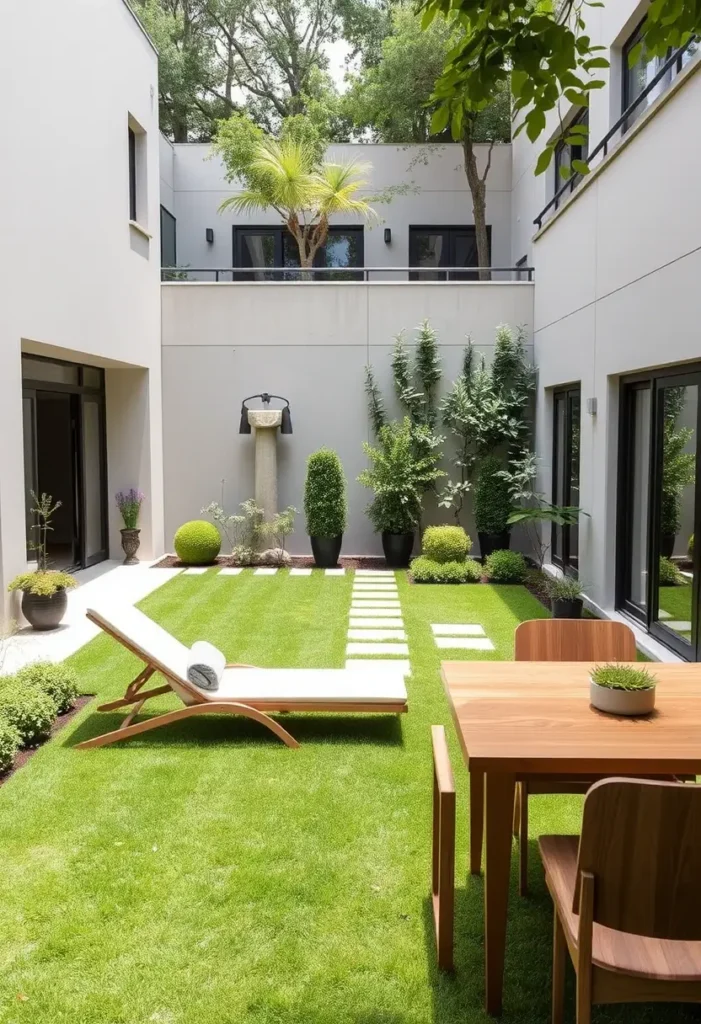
[572, 182]
[280, 274]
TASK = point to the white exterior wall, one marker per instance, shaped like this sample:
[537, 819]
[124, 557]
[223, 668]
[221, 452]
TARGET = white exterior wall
[617, 270]
[79, 282]
[441, 198]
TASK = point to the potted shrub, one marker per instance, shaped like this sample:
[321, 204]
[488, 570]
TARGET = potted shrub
[403, 467]
[622, 690]
[44, 598]
[492, 507]
[129, 505]
[565, 595]
[325, 506]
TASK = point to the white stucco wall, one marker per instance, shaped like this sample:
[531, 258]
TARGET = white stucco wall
[78, 281]
[440, 196]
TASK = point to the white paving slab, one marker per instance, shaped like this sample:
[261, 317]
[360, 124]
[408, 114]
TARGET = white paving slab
[376, 623]
[376, 634]
[300, 572]
[231, 572]
[374, 573]
[265, 572]
[359, 605]
[447, 643]
[334, 572]
[383, 649]
[198, 571]
[456, 629]
[375, 586]
[663, 614]
[396, 665]
[678, 626]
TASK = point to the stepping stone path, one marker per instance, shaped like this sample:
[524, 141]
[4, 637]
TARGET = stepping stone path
[230, 572]
[300, 572]
[265, 572]
[678, 627]
[376, 626]
[460, 636]
[334, 572]
[194, 572]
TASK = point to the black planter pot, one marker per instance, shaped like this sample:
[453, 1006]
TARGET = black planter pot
[566, 608]
[493, 542]
[667, 544]
[326, 551]
[42, 612]
[397, 548]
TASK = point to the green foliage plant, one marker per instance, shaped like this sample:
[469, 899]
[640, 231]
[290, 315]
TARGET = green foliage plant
[9, 744]
[505, 567]
[197, 542]
[325, 499]
[280, 527]
[623, 677]
[59, 681]
[446, 544]
[563, 588]
[426, 570]
[678, 465]
[492, 498]
[669, 574]
[27, 709]
[44, 582]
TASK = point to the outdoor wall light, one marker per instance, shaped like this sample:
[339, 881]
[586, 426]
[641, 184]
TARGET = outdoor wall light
[209, 235]
[592, 406]
[286, 424]
[388, 236]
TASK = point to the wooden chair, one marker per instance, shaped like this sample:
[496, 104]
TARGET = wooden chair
[562, 640]
[443, 880]
[627, 896]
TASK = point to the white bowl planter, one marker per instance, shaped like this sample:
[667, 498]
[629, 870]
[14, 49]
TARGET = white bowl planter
[621, 702]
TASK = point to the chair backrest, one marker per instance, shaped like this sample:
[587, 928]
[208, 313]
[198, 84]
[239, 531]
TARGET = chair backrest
[574, 640]
[641, 840]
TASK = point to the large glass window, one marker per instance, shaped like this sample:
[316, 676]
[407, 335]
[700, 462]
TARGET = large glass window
[263, 253]
[566, 434]
[566, 152]
[433, 248]
[637, 77]
[169, 254]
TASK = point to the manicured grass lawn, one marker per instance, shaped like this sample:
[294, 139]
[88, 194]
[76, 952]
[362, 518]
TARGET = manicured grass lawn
[205, 873]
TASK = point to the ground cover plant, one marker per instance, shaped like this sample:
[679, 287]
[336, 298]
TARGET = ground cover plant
[205, 873]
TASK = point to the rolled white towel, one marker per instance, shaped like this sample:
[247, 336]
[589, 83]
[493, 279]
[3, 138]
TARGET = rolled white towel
[205, 665]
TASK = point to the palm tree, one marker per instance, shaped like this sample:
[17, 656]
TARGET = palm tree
[284, 175]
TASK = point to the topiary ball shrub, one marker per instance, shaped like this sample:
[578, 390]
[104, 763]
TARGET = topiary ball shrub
[26, 709]
[505, 567]
[669, 574]
[446, 544]
[425, 570]
[492, 499]
[59, 681]
[325, 501]
[9, 743]
[197, 542]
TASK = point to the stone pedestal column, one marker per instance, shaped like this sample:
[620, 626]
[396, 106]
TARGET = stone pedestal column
[265, 423]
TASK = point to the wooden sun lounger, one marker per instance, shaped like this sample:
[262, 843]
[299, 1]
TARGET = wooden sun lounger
[245, 690]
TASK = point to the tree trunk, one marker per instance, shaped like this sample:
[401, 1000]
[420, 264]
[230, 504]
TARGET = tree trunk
[478, 189]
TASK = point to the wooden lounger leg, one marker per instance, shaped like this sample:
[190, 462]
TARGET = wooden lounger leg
[131, 694]
[195, 709]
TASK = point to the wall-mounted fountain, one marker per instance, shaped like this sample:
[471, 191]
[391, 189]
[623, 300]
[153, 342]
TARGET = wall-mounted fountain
[265, 423]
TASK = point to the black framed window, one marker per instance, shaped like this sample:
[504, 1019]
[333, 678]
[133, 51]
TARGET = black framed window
[431, 248]
[263, 253]
[169, 251]
[565, 153]
[567, 404]
[636, 78]
[132, 175]
[659, 505]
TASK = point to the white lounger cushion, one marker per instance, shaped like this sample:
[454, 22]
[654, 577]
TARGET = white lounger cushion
[361, 686]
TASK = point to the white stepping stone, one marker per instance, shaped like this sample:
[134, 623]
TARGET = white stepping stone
[300, 572]
[390, 623]
[376, 634]
[334, 572]
[194, 572]
[265, 572]
[456, 629]
[230, 572]
[396, 665]
[385, 585]
[678, 626]
[374, 573]
[448, 643]
[359, 606]
[663, 615]
[383, 649]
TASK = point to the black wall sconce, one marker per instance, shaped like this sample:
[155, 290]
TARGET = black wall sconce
[388, 236]
[209, 235]
[285, 426]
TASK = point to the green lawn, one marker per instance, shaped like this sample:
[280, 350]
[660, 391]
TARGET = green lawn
[205, 873]
[676, 601]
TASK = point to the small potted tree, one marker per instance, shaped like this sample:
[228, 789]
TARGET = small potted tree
[129, 504]
[492, 507]
[325, 506]
[44, 598]
[622, 690]
[565, 595]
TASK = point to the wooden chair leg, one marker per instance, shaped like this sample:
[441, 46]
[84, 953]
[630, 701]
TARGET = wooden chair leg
[517, 810]
[476, 821]
[523, 841]
[559, 961]
[584, 948]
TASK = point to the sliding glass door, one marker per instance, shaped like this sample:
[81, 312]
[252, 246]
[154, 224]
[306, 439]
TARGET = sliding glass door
[565, 489]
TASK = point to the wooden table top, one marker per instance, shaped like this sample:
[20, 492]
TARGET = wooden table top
[535, 717]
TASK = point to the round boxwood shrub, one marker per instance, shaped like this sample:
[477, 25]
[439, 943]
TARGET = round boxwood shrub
[492, 499]
[669, 574]
[425, 570]
[9, 742]
[197, 542]
[325, 502]
[26, 709]
[59, 681]
[505, 567]
[446, 544]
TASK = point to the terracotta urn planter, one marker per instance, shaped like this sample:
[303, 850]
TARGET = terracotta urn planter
[130, 545]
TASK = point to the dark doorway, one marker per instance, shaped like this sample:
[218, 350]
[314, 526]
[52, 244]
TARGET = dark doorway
[55, 427]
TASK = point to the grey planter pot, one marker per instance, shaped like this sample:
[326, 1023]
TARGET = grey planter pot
[130, 545]
[621, 702]
[44, 612]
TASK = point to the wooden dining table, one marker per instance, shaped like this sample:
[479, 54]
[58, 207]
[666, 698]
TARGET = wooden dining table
[517, 720]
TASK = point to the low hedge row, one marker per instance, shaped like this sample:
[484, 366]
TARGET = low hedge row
[427, 570]
[30, 700]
